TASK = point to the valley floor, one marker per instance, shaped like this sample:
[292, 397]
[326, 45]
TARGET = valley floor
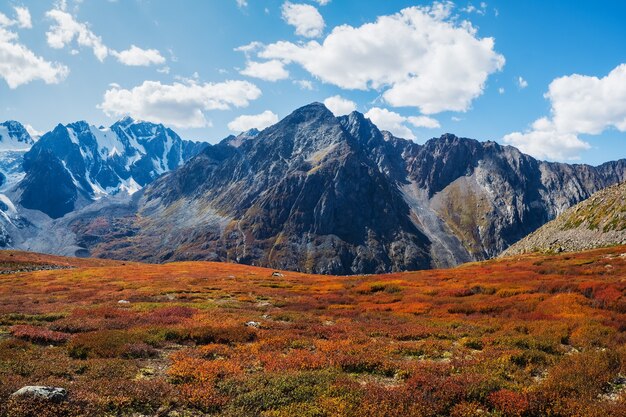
[528, 336]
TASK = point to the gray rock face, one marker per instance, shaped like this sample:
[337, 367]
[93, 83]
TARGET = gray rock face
[40, 392]
[596, 222]
[322, 194]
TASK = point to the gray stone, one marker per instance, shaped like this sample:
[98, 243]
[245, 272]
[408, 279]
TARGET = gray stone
[46, 393]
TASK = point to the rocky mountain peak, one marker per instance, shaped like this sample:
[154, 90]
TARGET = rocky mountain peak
[14, 136]
[97, 162]
[237, 141]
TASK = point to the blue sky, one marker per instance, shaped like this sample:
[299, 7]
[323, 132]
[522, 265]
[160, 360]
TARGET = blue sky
[546, 76]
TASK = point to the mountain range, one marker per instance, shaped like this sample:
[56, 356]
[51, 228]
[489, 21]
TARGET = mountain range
[314, 193]
[77, 164]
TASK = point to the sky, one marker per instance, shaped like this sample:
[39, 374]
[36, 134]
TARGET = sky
[548, 77]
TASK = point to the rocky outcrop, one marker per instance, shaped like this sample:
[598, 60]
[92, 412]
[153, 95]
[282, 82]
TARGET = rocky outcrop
[596, 222]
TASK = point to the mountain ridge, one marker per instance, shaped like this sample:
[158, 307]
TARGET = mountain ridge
[326, 194]
[312, 193]
[89, 162]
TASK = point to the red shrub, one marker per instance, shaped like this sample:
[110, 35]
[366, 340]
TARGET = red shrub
[39, 335]
[509, 403]
[170, 315]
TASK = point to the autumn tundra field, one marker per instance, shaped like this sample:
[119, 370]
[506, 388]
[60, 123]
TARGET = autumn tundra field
[539, 335]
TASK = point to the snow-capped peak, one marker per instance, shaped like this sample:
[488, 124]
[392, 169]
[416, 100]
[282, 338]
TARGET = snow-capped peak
[14, 137]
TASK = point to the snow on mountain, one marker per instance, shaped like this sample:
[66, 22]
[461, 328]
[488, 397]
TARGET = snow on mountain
[90, 162]
[14, 137]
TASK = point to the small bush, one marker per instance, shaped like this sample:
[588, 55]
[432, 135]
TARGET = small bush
[203, 335]
[509, 403]
[110, 344]
[39, 335]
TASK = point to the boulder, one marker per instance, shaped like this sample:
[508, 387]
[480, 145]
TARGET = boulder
[46, 393]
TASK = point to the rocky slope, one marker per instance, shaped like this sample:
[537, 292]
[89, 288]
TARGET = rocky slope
[596, 222]
[323, 194]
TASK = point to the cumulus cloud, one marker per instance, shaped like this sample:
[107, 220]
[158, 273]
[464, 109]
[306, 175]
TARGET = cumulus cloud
[481, 10]
[420, 57]
[585, 104]
[273, 70]
[23, 17]
[322, 2]
[543, 141]
[305, 18]
[396, 123]
[521, 82]
[181, 104]
[66, 29]
[339, 105]
[253, 121]
[423, 121]
[390, 121]
[304, 84]
[4, 20]
[19, 65]
[580, 104]
[137, 57]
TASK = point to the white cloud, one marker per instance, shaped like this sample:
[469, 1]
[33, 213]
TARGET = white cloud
[580, 104]
[521, 82]
[391, 121]
[19, 65]
[23, 17]
[5, 21]
[305, 18]
[66, 29]
[322, 2]
[396, 123]
[178, 104]
[543, 141]
[585, 104]
[273, 70]
[339, 105]
[424, 121]
[164, 70]
[137, 57]
[304, 84]
[242, 3]
[253, 121]
[481, 10]
[249, 48]
[421, 57]
[501, 90]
